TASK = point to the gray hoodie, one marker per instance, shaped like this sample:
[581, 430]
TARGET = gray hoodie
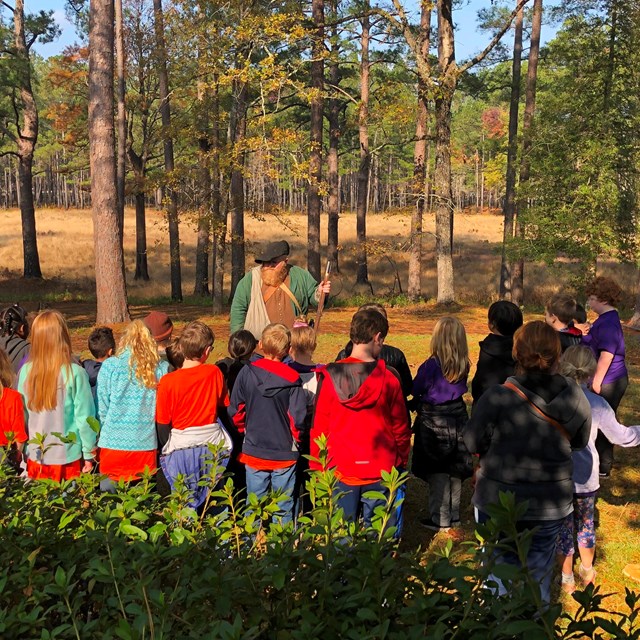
[522, 452]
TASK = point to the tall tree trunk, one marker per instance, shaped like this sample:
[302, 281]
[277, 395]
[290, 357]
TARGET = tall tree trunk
[238, 129]
[111, 290]
[512, 154]
[142, 267]
[333, 176]
[314, 199]
[442, 176]
[362, 275]
[517, 277]
[26, 143]
[169, 164]
[122, 116]
[201, 286]
[414, 289]
[218, 212]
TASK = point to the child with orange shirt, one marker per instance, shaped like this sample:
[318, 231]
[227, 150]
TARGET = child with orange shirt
[269, 403]
[187, 413]
[12, 428]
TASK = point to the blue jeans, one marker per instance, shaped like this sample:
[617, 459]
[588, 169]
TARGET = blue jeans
[541, 555]
[355, 504]
[260, 482]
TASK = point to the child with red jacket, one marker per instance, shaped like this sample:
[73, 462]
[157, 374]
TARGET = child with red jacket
[360, 409]
[270, 405]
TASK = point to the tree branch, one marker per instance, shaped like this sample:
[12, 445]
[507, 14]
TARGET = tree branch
[483, 54]
[4, 4]
[9, 153]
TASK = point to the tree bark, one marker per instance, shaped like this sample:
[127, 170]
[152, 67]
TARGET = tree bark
[442, 175]
[218, 212]
[517, 277]
[362, 275]
[26, 144]
[142, 267]
[314, 199]
[122, 116]
[333, 176]
[169, 164]
[111, 290]
[509, 208]
[238, 129]
[414, 287]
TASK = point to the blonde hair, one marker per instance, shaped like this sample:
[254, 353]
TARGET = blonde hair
[144, 356]
[303, 337]
[449, 346]
[50, 352]
[6, 371]
[578, 363]
[276, 340]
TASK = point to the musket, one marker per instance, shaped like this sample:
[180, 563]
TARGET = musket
[321, 300]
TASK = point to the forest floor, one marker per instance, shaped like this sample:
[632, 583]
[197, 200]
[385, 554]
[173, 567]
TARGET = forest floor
[66, 248]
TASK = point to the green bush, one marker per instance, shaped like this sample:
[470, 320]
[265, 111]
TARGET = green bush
[78, 563]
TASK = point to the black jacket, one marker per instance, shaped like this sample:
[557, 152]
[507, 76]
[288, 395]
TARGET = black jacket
[16, 348]
[268, 401]
[568, 340]
[495, 364]
[438, 445]
[394, 359]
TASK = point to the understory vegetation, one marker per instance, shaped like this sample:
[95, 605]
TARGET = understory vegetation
[78, 563]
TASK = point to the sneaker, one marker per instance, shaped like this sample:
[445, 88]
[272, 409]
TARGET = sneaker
[428, 523]
[632, 571]
[605, 474]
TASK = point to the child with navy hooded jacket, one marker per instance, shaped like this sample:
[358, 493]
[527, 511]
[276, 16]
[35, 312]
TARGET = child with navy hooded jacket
[269, 404]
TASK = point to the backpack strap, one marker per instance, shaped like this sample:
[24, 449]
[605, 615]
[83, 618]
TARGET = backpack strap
[542, 414]
[286, 289]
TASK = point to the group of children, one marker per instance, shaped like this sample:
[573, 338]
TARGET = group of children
[160, 406]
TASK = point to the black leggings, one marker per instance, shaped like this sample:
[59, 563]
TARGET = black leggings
[612, 393]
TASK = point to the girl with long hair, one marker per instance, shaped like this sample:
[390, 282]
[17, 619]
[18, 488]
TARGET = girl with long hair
[524, 432]
[126, 396]
[439, 456]
[58, 399]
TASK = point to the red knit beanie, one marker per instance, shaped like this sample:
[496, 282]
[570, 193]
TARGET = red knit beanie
[159, 324]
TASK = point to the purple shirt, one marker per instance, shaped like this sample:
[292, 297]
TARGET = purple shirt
[431, 386]
[606, 335]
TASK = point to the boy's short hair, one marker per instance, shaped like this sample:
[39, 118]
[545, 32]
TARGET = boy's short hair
[195, 339]
[303, 338]
[365, 324]
[276, 341]
[376, 306]
[563, 306]
[101, 341]
[581, 314]
[241, 344]
[505, 317]
[174, 354]
[606, 290]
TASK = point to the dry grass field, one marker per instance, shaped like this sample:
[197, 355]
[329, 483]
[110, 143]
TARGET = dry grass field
[65, 240]
[67, 253]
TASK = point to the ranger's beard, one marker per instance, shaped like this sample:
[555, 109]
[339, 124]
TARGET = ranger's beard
[274, 277]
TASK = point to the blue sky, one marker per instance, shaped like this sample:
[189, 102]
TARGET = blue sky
[468, 40]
